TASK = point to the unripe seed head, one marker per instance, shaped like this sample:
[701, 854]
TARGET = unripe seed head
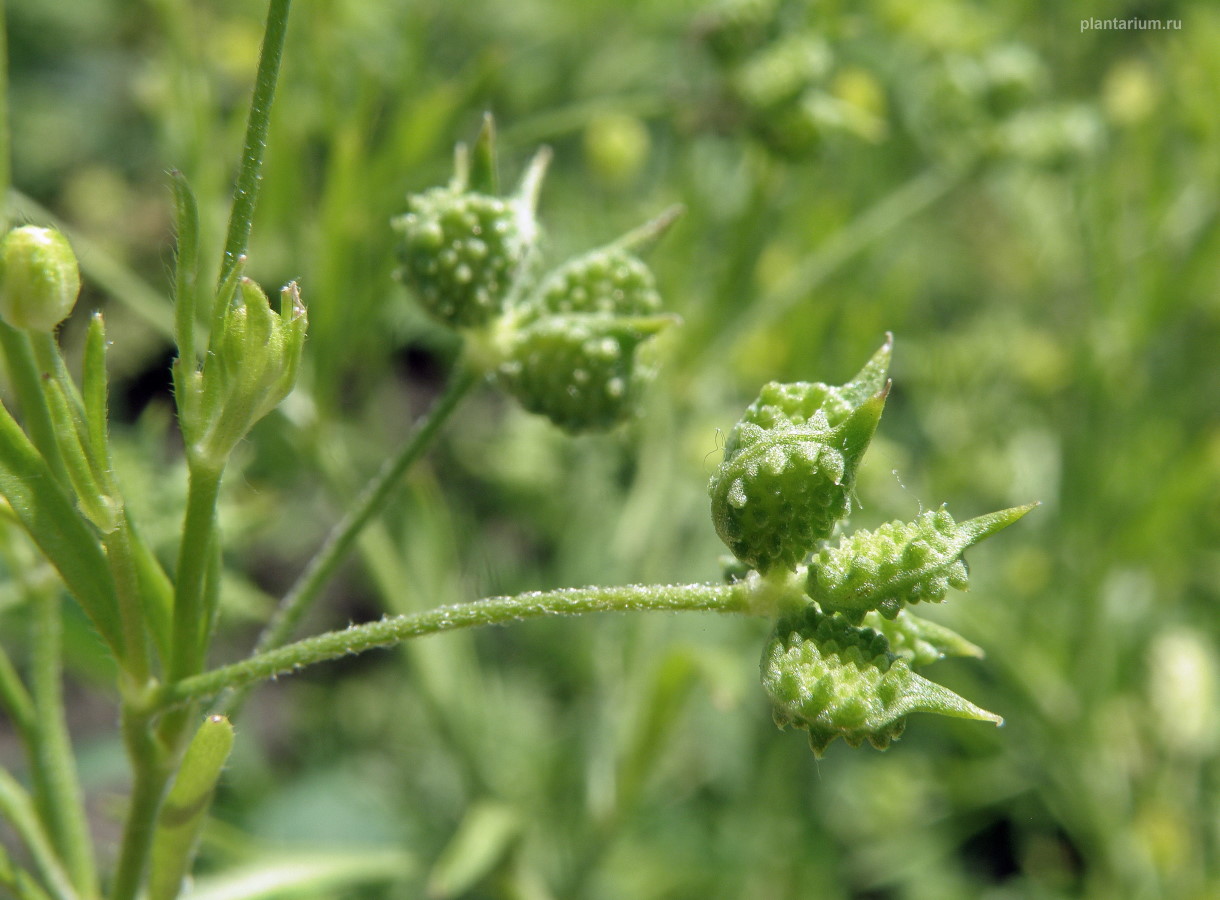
[39, 278]
[836, 680]
[611, 281]
[580, 371]
[899, 563]
[788, 472]
[460, 253]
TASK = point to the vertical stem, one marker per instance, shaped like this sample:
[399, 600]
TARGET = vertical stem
[198, 533]
[59, 791]
[302, 594]
[151, 772]
[245, 197]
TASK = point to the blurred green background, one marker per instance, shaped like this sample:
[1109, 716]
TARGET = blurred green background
[1032, 209]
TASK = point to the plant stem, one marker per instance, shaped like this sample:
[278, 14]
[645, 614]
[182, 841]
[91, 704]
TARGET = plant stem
[492, 611]
[151, 773]
[245, 196]
[59, 790]
[18, 808]
[372, 499]
[198, 533]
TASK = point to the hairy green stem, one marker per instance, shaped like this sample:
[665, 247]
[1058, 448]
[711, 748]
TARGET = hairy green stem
[151, 773]
[17, 807]
[59, 793]
[371, 501]
[492, 611]
[190, 577]
[245, 196]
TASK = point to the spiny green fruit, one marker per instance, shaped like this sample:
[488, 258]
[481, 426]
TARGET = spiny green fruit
[836, 680]
[790, 465]
[899, 563]
[580, 370]
[572, 345]
[39, 278]
[612, 281]
[460, 252]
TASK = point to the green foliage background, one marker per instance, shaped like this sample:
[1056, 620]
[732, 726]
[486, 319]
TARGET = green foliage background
[1033, 210]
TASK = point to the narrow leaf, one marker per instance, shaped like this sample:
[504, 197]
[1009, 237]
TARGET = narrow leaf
[186, 267]
[93, 387]
[51, 519]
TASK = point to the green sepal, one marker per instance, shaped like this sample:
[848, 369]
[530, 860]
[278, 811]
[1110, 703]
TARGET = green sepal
[580, 370]
[788, 472]
[834, 680]
[186, 807]
[483, 175]
[900, 563]
[920, 641]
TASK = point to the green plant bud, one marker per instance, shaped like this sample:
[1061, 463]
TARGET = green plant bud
[251, 368]
[461, 251]
[790, 465]
[900, 563]
[920, 641]
[39, 278]
[610, 281]
[836, 680]
[580, 370]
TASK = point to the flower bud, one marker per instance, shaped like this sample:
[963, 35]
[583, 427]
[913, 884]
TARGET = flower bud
[836, 680]
[39, 278]
[899, 563]
[460, 252]
[251, 368]
[790, 465]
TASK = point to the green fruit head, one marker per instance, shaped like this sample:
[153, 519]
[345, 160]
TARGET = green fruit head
[836, 680]
[611, 281]
[460, 252]
[900, 563]
[580, 370]
[790, 465]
